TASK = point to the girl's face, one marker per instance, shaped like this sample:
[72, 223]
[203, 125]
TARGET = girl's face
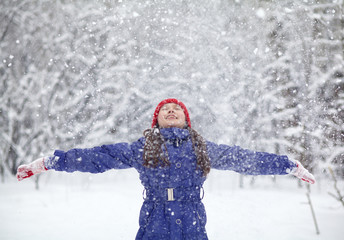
[171, 115]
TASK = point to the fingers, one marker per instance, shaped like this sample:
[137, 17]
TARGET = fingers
[308, 177]
[23, 172]
[303, 174]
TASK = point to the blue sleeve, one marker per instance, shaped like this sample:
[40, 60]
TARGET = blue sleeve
[97, 159]
[235, 158]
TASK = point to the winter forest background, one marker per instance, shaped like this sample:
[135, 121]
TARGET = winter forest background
[265, 75]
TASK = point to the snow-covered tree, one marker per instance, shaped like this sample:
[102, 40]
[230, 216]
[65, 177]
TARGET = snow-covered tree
[265, 75]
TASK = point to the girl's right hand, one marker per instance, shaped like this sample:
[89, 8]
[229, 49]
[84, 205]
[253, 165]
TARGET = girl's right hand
[28, 170]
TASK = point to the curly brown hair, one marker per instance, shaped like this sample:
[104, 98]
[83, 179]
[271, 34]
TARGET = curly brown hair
[155, 155]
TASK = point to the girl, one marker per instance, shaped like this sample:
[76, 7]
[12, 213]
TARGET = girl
[173, 161]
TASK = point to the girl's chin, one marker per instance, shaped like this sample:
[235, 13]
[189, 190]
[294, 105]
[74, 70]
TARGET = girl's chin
[170, 125]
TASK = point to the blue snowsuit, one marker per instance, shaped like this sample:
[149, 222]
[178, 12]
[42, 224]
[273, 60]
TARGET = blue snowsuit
[172, 208]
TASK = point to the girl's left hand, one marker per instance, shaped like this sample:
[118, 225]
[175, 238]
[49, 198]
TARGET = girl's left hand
[302, 173]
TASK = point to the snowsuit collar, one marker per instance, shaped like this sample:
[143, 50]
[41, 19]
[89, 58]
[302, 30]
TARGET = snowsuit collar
[175, 133]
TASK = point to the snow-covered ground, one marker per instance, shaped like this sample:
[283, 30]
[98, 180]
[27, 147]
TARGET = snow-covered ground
[106, 206]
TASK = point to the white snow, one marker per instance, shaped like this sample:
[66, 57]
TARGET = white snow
[260, 13]
[106, 206]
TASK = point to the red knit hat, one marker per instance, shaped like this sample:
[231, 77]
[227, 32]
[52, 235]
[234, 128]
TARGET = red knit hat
[170, 100]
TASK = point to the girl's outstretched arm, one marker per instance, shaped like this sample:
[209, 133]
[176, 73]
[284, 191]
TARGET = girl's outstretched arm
[93, 160]
[244, 161]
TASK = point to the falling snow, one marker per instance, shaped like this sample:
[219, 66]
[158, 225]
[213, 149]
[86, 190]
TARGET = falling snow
[264, 75]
